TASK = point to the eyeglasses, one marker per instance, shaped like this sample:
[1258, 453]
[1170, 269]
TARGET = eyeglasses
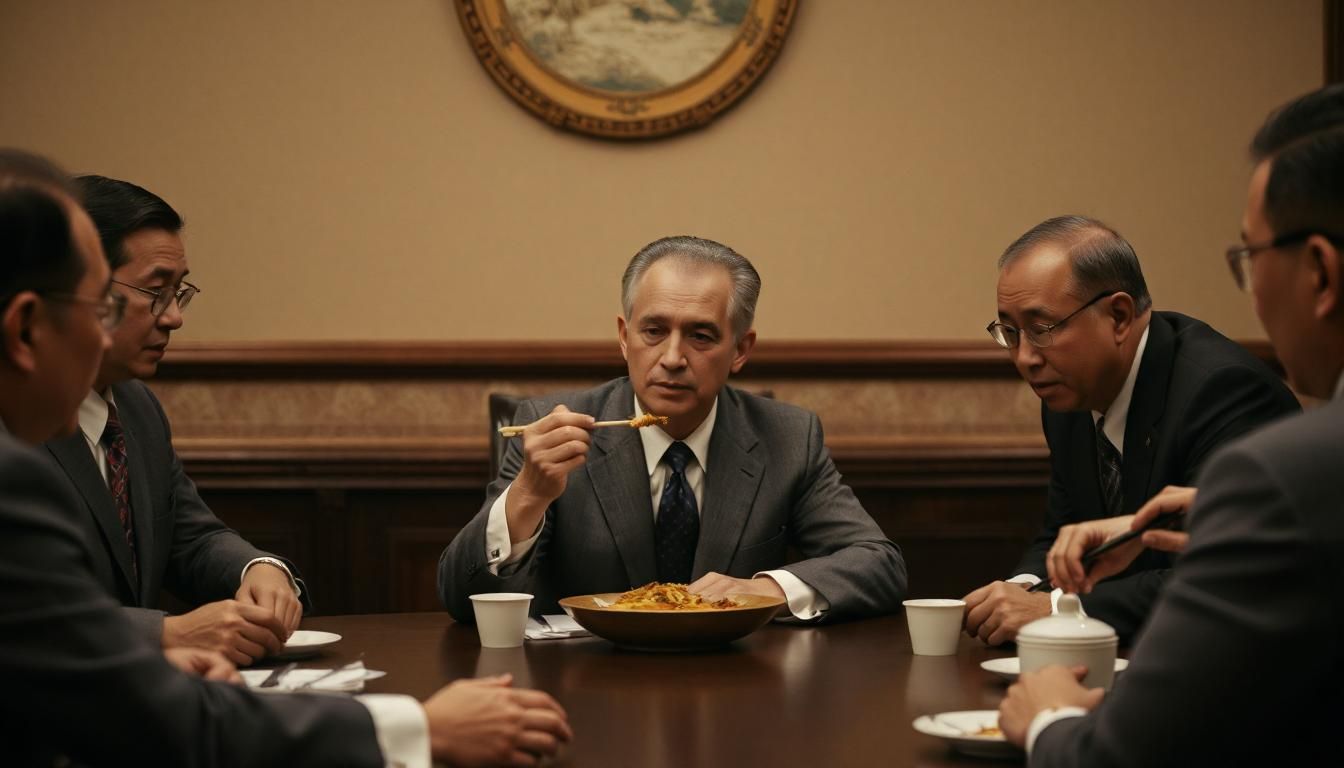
[1038, 334]
[1239, 256]
[110, 309]
[162, 296]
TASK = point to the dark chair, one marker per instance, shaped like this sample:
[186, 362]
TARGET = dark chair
[502, 408]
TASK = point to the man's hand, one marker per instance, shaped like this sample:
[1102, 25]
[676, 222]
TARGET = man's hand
[485, 722]
[995, 612]
[553, 446]
[1065, 559]
[242, 632]
[210, 665]
[1173, 498]
[267, 586]
[716, 586]
[1047, 688]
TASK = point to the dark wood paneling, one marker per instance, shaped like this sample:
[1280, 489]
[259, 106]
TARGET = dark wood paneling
[580, 359]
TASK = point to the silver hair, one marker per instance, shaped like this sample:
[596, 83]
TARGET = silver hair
[698, 250]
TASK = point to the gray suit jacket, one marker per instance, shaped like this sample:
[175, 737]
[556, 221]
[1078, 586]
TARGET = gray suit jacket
[85, 684]
[179, 543]
[1243, 660]
[770, 485]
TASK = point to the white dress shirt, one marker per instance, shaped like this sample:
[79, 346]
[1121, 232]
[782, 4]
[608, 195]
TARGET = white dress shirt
[803, 601]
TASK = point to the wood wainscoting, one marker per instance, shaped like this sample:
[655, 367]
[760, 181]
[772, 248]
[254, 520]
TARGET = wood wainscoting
[361, 461]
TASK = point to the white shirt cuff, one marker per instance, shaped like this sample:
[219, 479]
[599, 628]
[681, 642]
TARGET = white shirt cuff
[499, 550]
[804, 602]
[1030, 579]
[1046, 718]
[401, 727]
[278, 564]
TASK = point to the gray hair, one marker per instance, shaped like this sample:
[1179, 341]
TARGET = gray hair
[1102, 260]
[697, 250]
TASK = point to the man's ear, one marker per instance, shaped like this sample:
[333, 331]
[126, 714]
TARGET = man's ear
[620, 335]
[1326, 267]
[17, 332]
[743, 349]
[1123, 311]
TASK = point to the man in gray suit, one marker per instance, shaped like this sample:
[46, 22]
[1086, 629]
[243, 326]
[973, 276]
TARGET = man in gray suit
[88, 687]
[714, 498]
[150, 529]
[1240, 663]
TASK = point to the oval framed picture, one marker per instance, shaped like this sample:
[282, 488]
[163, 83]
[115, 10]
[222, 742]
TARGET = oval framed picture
[627, 69]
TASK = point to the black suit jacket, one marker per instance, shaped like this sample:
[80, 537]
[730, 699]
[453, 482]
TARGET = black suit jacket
[1243, 661]
[180, 545]
[1196, 390]
[84, 683]
[770, 484]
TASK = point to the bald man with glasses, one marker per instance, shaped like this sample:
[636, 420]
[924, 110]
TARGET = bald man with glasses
[1133, 400]
[151, 532]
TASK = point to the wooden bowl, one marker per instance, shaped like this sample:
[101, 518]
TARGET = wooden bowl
[672, 630]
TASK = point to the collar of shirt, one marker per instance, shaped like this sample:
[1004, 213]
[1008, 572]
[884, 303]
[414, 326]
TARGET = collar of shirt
[656, 441]
[1119, 410]
[93, 416]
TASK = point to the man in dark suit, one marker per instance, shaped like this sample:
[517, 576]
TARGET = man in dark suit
[1133, 400]
[713, 498]
[87, 686]
[1240, 664]
[150, 527]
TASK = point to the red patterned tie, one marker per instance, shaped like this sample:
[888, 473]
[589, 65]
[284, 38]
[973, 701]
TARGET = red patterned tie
[114, 441]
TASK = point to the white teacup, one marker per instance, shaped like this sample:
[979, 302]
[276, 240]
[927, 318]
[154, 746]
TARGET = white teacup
[935, 625]
[501, 618]
[1071, 639]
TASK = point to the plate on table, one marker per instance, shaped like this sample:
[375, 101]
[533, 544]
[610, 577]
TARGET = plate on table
[306, 642]
[681, 630]
[962, 732]
[1010, 667]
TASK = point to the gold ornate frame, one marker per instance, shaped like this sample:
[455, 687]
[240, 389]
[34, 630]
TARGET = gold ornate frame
[625, 115]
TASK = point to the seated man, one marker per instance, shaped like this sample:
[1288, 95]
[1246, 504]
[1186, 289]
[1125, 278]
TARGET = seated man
[93, 690]
[152, 529]
[1133, 400]
[1240, 664]
[713, 498]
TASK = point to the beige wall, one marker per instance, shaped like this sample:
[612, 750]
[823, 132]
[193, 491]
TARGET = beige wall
[349, 171]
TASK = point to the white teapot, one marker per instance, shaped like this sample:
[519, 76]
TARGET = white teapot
[1071, 639]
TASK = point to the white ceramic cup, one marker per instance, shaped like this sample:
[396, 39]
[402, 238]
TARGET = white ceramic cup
[501, 618]
[935, 625]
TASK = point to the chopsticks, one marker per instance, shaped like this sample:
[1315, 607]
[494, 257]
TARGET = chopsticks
[1162, 521]
[647, 420]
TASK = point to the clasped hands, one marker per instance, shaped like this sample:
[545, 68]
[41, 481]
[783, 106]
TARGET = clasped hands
[256, 622]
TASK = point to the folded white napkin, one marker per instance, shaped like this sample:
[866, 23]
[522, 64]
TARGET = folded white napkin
[555, 628]
[348, 680]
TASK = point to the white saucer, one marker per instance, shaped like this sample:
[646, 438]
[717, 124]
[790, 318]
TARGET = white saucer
[1009, 667]
[958, 730]
[306, 642]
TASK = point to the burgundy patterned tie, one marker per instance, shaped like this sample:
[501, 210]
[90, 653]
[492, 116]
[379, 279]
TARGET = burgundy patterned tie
[114, 442]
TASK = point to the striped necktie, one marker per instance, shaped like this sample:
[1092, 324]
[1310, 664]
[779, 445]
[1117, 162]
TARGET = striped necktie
[1108, 471]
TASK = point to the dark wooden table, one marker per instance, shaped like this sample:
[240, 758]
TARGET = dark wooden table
[839, 695]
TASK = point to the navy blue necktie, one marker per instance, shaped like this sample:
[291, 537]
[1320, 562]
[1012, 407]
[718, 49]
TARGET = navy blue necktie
[678, 527]
[1108, 472]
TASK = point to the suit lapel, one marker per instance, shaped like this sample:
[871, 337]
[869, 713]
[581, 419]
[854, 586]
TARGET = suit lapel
[1146, 406]
[620, 481]
[731, 481]
[142, 510]
[72, 453]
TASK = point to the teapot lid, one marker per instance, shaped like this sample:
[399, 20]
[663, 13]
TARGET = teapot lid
[1067, 624]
